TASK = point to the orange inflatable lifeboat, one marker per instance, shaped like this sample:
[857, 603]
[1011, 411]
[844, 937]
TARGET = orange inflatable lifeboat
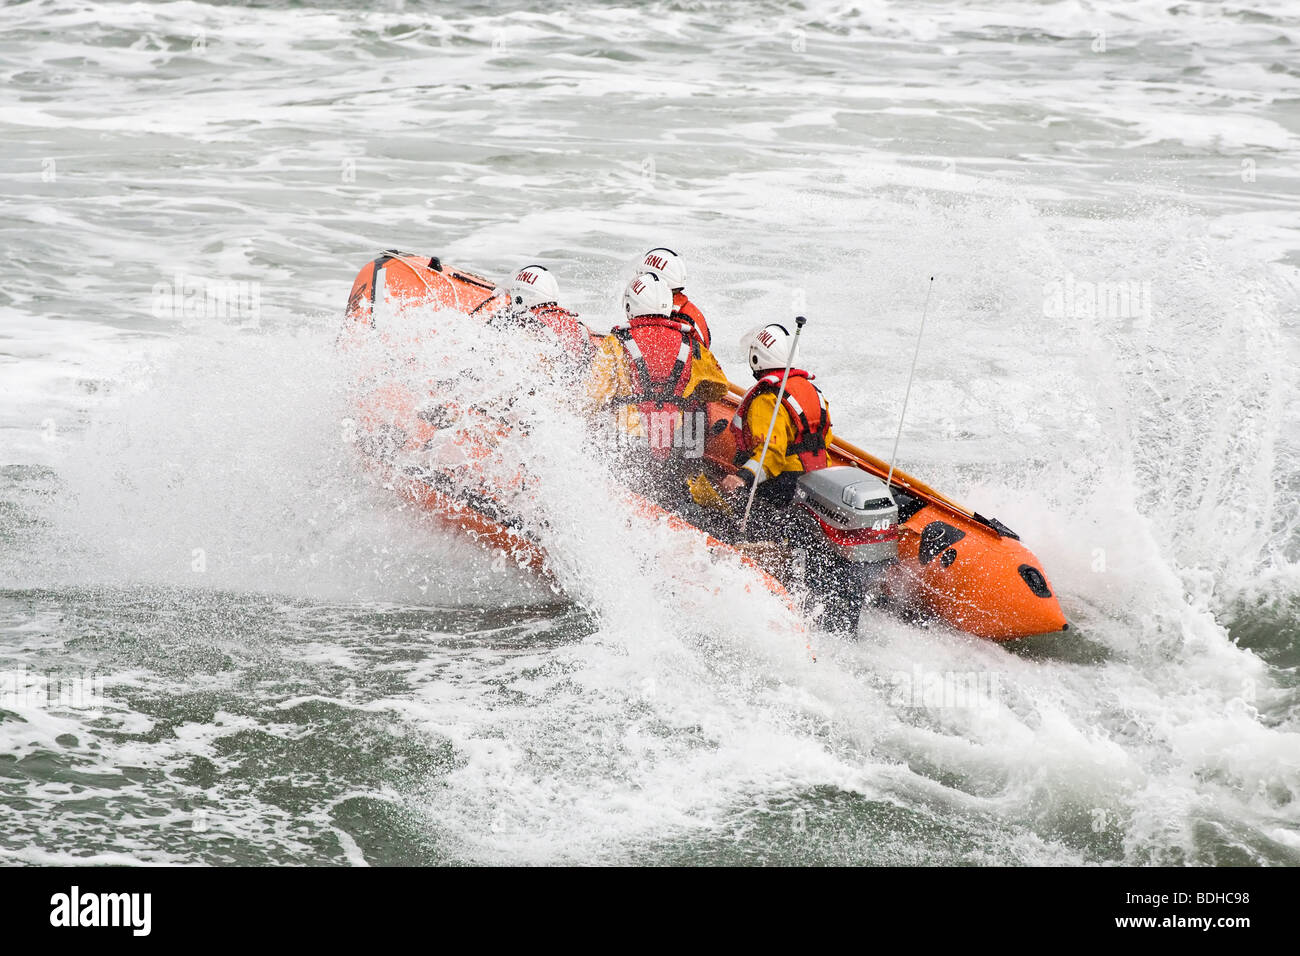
[969, 571]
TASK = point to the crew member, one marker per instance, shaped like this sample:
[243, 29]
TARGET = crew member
[803, 422]
[534, 295]
[800, 435]
[658, 377]
[669, 266]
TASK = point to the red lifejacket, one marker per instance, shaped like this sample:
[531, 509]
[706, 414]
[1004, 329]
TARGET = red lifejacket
[804, 403]
[660, 352]
[684, 310]
[573, 335]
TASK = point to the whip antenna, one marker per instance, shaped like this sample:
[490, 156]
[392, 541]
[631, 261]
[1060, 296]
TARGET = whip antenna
[908, 394]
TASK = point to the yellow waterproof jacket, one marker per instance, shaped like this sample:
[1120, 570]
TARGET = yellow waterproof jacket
[610, 378]
[757, 418]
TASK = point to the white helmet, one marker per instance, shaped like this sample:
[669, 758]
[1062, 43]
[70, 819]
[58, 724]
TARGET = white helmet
[667, 265]
[769, 348]
[647, 294]
[533, 285]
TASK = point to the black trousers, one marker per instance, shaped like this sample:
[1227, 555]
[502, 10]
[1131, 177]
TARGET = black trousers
[839, 584]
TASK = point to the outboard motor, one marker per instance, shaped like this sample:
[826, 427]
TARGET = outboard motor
[856, 512]
[855, 540]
